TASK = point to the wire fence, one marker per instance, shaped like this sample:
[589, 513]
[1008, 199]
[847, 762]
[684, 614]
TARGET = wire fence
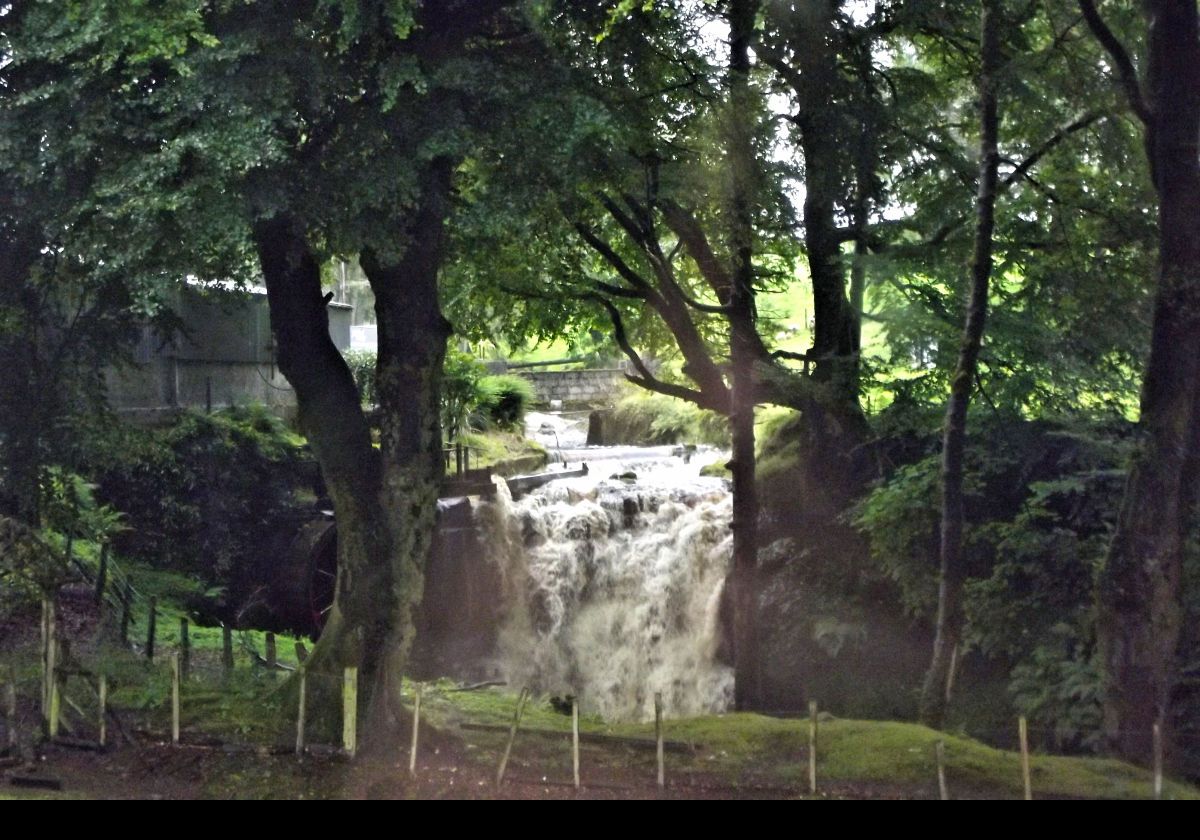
[73, 697]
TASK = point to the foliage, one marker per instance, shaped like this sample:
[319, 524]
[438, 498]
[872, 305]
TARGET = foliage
[1041, 503]
[362, 368]
[646, 418]
[463, 392]
[504, 400]
[207, 495]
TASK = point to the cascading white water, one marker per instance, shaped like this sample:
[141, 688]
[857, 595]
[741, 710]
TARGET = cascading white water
[612, 589]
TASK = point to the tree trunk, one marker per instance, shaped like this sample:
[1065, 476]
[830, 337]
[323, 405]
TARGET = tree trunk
[954, 435]
[742, 347]
[1139, 595]
[359, 626]
[412, 348]
[27, 409]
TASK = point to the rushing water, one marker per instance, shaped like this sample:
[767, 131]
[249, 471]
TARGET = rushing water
[612, 587]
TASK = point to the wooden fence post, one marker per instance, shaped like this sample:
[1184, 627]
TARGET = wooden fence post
[658, 740]
[1158, 760]
[512, 736]
[812, 746]
[939, 750]
[103, 692]
[185, 649]
[302, 712]
[10, 710]
[101, 574]
[226, 649]
[175, 699]
[350, 711]
[575, 740]
[150, 628]
[126, 605]
[416, 730]
[272, 656]
[1023, 736]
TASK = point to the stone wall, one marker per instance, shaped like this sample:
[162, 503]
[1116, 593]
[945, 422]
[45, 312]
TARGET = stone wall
[597, 387]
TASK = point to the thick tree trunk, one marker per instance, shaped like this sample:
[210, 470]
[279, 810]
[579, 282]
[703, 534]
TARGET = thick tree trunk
[1139, 594]
[954, 435]
[359, 628]
[742, 347]
[412, 348]
[835, 346]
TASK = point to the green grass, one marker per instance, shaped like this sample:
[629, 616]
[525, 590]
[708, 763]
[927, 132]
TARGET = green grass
[741, 746]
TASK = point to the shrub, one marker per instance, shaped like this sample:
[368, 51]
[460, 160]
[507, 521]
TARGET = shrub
[505, 399]
[207, 495]
[362, 368]
[643, 417]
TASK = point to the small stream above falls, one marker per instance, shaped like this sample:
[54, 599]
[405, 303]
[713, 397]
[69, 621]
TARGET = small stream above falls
[611, 583]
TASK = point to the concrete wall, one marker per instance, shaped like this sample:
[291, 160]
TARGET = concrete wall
[576, 387]
[224, 356]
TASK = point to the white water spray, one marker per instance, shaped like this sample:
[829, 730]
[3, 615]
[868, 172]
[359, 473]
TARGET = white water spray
[612, 589]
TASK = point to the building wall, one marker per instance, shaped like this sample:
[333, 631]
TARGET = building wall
[223, 356]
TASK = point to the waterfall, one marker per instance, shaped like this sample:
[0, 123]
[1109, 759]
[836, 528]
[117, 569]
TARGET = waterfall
[612, 590]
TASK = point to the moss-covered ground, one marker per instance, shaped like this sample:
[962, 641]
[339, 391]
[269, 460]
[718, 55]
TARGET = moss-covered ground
[238, 733]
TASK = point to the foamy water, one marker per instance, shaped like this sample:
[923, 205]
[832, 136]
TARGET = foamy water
[612, 588]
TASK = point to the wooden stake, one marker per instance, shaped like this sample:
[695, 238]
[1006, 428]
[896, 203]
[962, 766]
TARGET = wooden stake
[102, 690]
[302, 712]
[575, 740]
[227, 649]
[175, 698]
[658, 740]
[10, 710]
[512, 736]
[185, 649]
[301, 652]
[1158, 761]
[51, 708]
[272, 656]
[812, 746]
[951, 672]
[1023, 735]
[44, 703]
[152, 622]
[412, 754]
[126, 599]
[55, 704]
[102, 574]
[939, 750]
[350, 711]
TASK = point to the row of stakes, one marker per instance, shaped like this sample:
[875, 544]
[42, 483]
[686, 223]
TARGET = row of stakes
[52, 712]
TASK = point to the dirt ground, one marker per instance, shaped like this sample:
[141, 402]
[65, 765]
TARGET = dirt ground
[156, 770]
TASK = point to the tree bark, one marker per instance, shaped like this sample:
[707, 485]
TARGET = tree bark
[954, 434]
[411, 350]
[1139, 595]
[360, 624]
[743, 342]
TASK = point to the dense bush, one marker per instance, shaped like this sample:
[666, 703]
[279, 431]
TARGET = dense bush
[1041, 501]
[644, 417]
[504, 400]
[362, 368]
[209, 495]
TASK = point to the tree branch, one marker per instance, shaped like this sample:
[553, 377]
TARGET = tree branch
[612, 258]
[1120, 56]
[646, 379]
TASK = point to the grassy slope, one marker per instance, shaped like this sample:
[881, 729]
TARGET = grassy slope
[741, 746]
